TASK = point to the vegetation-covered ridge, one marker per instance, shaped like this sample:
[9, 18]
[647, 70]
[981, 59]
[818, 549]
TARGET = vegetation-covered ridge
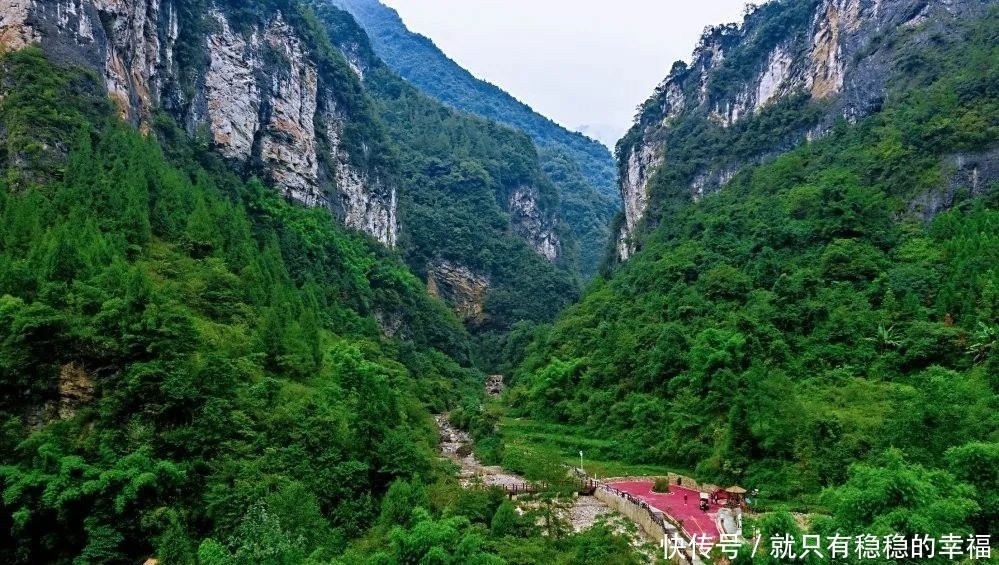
[456, 176]
[177, 345]
[581, 168]
[300, 117]
[810, 328]
[755, 90]
[459, 173]
[363, 139]
[195, 370]
[419, 61]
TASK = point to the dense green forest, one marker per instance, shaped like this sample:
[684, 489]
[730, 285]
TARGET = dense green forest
[581, 168]
[226, 337]
[811, 330]
[196, 370]
[193, 368]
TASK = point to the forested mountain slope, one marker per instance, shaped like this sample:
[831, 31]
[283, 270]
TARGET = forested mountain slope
[264, 86]
[473, 194]
[828, 317]
[209, 350]
[788, 74]
[178, 346]
[582, 168]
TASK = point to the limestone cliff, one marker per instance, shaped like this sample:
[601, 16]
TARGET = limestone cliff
[641, 161]
[834, 58]
[534, 224]
[530, 198]
[257, 88]
[459, 286]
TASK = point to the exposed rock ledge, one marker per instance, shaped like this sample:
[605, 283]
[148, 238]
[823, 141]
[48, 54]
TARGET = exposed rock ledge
[460, 287]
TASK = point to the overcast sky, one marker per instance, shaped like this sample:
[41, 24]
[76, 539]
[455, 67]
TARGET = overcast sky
[579, 62]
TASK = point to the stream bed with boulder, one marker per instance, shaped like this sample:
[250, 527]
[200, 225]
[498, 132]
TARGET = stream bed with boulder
[456, 445]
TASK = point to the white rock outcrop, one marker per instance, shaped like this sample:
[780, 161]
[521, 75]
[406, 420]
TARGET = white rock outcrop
[775, 79]
[288, 146]
[278, 120]
[259, 96]
[533, 225]
[642, 160]
[231, 92]
[362, 202]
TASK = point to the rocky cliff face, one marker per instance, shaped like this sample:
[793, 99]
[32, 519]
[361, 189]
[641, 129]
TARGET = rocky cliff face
[255, 89]
[536, 226]
[641, 161]
[76, 389]
[459, 286]
[840, 54]
[971, 172]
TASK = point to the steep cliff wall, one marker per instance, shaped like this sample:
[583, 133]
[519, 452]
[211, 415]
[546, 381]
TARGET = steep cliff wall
[580, 168]
[787, 73]
[536, 225]
[529, 197]
[459, 286]
[640, 163]
[259, 89]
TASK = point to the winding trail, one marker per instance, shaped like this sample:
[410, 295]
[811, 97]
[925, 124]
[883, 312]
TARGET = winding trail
[472, 471]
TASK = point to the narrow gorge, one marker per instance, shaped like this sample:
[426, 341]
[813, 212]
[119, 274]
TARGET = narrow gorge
[281, 283]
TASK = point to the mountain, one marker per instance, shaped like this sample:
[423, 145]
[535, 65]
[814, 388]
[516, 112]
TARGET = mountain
[270, 103]
[788, 74]
[183, 353]
[474, 193]
[418, 60]
[584, 168]
[279, 101]
[222, 259]
[808, 299]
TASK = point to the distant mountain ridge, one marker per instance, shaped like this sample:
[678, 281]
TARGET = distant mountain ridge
[589, 193]
[421, 62]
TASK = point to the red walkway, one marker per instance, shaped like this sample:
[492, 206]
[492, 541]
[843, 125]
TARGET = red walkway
[695, 520]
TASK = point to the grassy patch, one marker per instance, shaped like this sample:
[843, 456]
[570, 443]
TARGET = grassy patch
[526, 440]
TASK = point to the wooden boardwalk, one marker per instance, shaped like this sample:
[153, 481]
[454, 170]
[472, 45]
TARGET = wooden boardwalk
[584, 487]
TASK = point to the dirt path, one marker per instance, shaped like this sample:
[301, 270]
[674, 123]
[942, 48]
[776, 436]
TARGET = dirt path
[583, 514]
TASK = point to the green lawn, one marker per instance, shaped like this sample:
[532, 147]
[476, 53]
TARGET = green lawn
[527, 440]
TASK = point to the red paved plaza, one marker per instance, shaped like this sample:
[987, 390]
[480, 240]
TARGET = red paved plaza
[695, 520]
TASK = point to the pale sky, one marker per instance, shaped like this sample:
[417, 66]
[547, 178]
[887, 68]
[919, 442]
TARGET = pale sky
[579, 62]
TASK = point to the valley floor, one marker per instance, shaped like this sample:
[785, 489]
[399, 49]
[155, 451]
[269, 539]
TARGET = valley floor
[584, 512]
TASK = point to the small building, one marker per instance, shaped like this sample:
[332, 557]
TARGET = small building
[736, 496]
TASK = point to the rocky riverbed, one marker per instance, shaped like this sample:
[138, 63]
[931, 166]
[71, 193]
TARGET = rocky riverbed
[456, 445]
